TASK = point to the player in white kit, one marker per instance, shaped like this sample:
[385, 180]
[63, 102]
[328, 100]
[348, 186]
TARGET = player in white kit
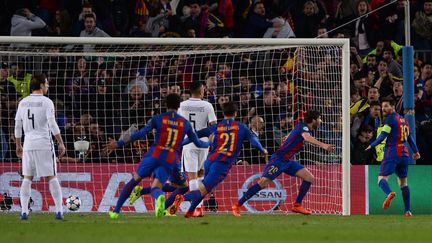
[200, 114]
[36, 115]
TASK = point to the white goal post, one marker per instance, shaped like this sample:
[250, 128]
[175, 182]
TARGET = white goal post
[313, 69]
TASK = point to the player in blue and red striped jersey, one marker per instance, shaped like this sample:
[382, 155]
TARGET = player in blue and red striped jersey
[161, 158]
[281, 162]
[227, 143]
[396, 155]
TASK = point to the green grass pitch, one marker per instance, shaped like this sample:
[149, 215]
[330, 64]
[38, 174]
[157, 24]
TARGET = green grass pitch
[215, 228]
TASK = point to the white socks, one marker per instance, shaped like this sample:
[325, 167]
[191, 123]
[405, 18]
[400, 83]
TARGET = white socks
[199, 181]
[25, 195]
[56, 193]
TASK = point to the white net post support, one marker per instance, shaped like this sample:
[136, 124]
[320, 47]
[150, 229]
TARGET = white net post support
[315, 76]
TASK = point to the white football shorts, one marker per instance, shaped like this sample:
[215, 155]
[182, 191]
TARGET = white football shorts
[193, 159]
[39, 163]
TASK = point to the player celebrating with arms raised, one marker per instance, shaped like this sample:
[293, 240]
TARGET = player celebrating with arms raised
[228, 140]
[396, 155]
[161, 158]
[281, 162]
[36, 115]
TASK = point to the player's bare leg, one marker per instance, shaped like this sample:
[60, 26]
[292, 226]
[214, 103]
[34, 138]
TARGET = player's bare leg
[383, 184]
[403, 184]
[25, 192]
[308, 179]
[56, 193]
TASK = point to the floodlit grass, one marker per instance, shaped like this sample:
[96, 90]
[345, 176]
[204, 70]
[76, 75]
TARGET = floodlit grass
[214, 228]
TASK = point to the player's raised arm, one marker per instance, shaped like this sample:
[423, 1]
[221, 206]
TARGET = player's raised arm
[113, 144]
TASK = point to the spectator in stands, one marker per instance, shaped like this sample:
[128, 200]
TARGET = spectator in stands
[308, 21]
[97, 138]
[363, 104]
[358, 154]
[369, 117]
[62, 24]
[91, 31]
[322, 32]
[393, 67]
[364, 32]
[397, 96]
[78, 25]
[422, 25]
[24, 21]
[210, 94]
[371, 63]
[425, 74]
[105, 108]
[246, 86]
[257, 24]
[20, 79]
[203, 22]
[140, 80]
[384, 79]
[175, 88]
[221, 100]
[283, 128]
[361, 83]
[7, 90]
[423, 105]
[251, 155]
[134, 107]
[54, 66]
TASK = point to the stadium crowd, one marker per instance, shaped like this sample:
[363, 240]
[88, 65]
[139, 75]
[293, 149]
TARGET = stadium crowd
[97, 98]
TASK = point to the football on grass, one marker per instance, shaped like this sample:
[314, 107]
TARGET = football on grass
[73, 203]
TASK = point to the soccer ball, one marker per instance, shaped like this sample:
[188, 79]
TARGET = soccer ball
[73, 203]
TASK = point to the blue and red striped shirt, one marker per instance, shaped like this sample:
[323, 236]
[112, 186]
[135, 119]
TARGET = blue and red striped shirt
[171, 129]
[397, 132]
[228, 141]
[293, 143]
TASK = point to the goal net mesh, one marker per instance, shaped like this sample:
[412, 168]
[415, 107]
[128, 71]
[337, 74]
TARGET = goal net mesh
[115, 89]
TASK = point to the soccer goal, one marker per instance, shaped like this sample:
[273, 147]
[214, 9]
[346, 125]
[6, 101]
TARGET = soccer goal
[121, 83]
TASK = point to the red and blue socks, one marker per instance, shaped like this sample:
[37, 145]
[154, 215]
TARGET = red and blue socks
[304, 188]
[250, 193]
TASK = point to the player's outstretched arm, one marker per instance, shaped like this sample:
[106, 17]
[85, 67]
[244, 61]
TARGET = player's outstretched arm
[310, 139]
[194, 138]
[201, 133]
[113, 144]
[383, 135]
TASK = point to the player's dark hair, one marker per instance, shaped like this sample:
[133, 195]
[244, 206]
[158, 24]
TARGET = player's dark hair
[36, 82]
[173, 101]
[390, 100]
[229, 108]
[312, 115]
[195, 86]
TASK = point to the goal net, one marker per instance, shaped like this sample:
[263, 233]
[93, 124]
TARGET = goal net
[119, 84]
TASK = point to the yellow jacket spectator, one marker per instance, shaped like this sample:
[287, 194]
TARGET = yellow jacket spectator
[22, 87]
